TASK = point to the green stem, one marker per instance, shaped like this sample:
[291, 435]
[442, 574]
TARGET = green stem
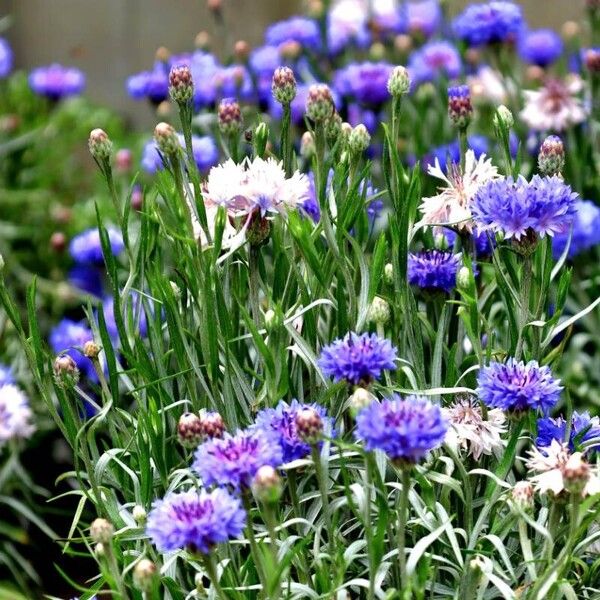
[526, 550]
[303, 572]
[368, 531]
[254, 549]
[254, 284]
[402, 521]
[464, 144]
[286, 144]
[526, 278]
[316, 456]
[211, 571]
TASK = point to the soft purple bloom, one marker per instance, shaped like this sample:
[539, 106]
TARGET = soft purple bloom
[204, 67]
[544, 206]
[195, 521]
[87, 278]
[279, 423]
[206, 154]
[450, 153]
[357, 358]
[434, 270]
[295, 29]
[423, 17]
[6, 58]
[518, 386]
[540, 47]
[15, 414]
[69, 337]
[483, 245]
[263, 61]
[152, 85]
[345, 28]
[583, 429]
[56, 82]
[585, 232]
[138, 315]
[365, 82]
[151, 160]
[489, 23]
[434, 60]
[233, 81]
[234, 459]
[85, 248]
[6, 375]
[298, 104]
[405, 429]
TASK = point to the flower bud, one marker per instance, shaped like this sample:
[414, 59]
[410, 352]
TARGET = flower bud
[377, 51]
[359, 140]
[189, 430]
[258, 230]
[175, 289]
[333, 129]
[229, 117]
[503, 119]
[99, 550]
[66, 373]
[266, 485]
[309, 425]
[211, 424]
[58, 241]
[137, 198]
[202, 40]
[241, 49]
[283, 85]
[100, 145]
[319, 104]
[388, 273]
[290, 50]
[1, 262]
[144, 574]
[166, 139]
[101, 531]
[123, 160]
[181, 84]
[307, 145]
[162, 54]
[460, 109]
[91, 350]
[139, 514]
[463, 278]
[214, 5]
[360, 398]
[261, 138]
[570, 30]
[576, 473]
[551, 158]
[399, 82]
[272, 320]
[521, 495]
[591, 59]
[379, 311]
[403, 43]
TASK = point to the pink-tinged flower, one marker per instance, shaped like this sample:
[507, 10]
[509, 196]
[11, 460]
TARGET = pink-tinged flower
[452, 204]
[15, 414]
[488, 85]
[555, 106]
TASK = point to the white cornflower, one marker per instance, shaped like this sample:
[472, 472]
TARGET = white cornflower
[555, 106]
[470, 431]
[15, 414]
[452, 203]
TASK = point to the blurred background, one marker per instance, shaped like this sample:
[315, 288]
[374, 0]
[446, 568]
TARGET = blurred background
[112, 39]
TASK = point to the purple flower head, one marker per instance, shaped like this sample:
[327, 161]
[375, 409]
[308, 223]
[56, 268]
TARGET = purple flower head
[423, 17]
[585, 232]
[195, 521]
[298, 104]
[56, 82]
[151, 160]
[434, 270]
[263, 61]
[279, 423]
[489, 23]
[518, 386]
[544, 206]
[406, 429]
[6, 375]
[357, 358]
[434, 60]
[69, 337]
[365, 82]
[87, 278]
[295, 29]
[206, 153]
[345, 28]
[583, 429]
[233, 81]
[234, 459]
[450, 153]
[85, 248]
[152, 85]
[138, 312]
[204, 67]
[541, 47]
[6, 58]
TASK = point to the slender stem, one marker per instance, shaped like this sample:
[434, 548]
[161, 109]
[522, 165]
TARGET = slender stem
[316, 456]
[293, 488]
[402, 520]
[211, 571]
[286, 144]
[368, 532]
[254, 549]
[254, 284]
[526, 549]
[462, 140]
[527, 276]
[270, 521]
[115, 572]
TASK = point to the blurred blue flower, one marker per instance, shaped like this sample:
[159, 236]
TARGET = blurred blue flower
[6, 375]
[434, 60]
[346, 28]
[357, 358]
[152, 85]
[85, 248]
[365, 82]
[295, 29]
[517, 386]
[56, 82]
[540, 47]
[406, 429]
[298, 104]
[204, 67]
[583, 429]
[489, 23]
[263, 61]
[434, 270]
[108, 307]
[69, 337]
[483, 245]
[195, 521]
[233, 81]
[423, 17]
[86, 278]
[585, 232]
[206, 154]
[6, 58]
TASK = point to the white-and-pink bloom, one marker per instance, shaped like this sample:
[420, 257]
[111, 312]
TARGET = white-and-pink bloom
[15, 414]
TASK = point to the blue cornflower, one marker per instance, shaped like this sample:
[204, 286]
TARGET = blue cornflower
[152, 85]
[366, 82]
[583, 429]
[204, 67]
[56, 82]
[450, 153]
[298, 104]
[434, 60]
[406, 429]
[434, 270]
[85, 248]
[138, 314]
[424, 17]
[357, 358]
[483, 245]
[279, 423]
[69, 337]
[206, 154]
[518, 386]
[346, 28]
[6, 375]
[195, 521]
[6, 58]
[489, 23]
[585, 231]
[151, 160]
[263, 61]
[544, 206]
[87, 278]
[295, 29]
[540, 47]
[234, 459]
[233, 81]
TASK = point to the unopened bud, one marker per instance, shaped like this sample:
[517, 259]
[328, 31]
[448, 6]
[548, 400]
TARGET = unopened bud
[202, 40]
[388, 273]
[175, 289]
[66, 373]
[91, 350]
[290, 50]
[309, 425]
[137, 198]
[211, 425]
[162, 54]
[503, 119]
[181, 84]
[99, 550]
[333, 129]
[166, 139]
[591, 59]
[576, 473]
[272, 320]
[100, 145]
[359, 139]
[241, 49]
[283, 85]
[403, 43]
[521, 495]
[229, 116]
[463, 278]
[144, 574]
[379, 311]
[551, 158]
[307, 145]
[139, 514]
[460, 109]
[267, 485]
[319, 104]
[123, 160]
[399, 82]
[258, 230]
[214, 5]
[360, 398]
[58, 241]
[260, 138]
[189, 430]
[377, 51]
[101, 531]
